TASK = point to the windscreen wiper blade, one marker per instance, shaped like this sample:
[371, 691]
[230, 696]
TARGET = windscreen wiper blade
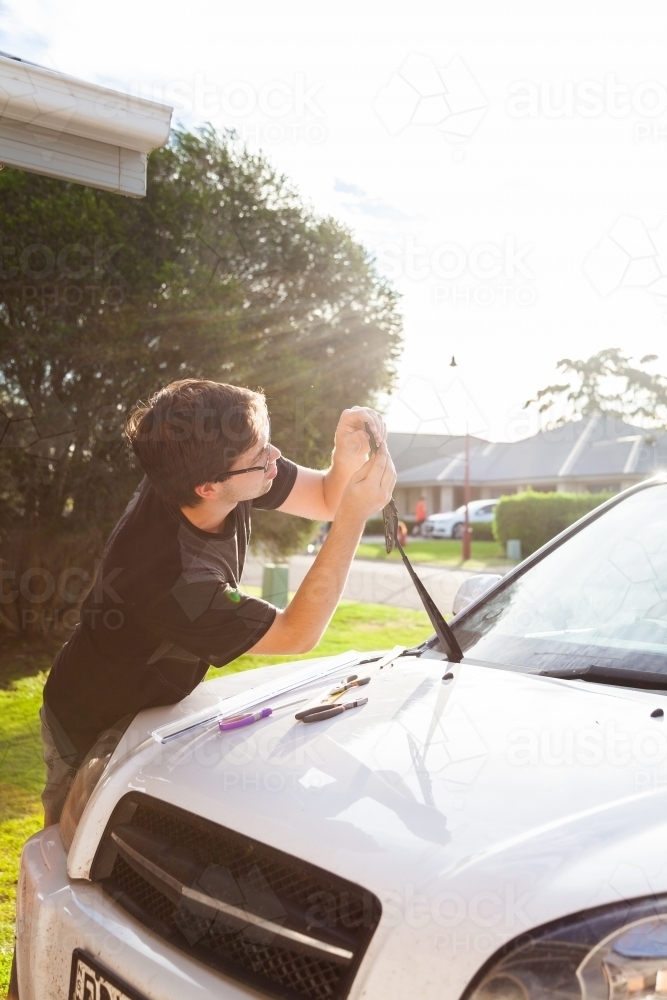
[446, 637]
[622, 676]
[444, 633]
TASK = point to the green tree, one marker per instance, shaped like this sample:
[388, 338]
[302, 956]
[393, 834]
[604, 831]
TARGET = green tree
[220, 272]
[607, 382]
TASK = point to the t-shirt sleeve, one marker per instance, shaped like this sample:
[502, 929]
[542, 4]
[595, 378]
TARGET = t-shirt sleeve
[209, 619]
[281, 487]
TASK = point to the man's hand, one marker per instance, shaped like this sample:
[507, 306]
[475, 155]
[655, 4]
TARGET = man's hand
[351, 440]
[370, 487]
[317, 494]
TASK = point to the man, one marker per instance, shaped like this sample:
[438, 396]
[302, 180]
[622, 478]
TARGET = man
[166, 602]
[421, 513]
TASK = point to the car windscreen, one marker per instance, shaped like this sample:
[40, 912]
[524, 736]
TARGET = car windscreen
[599, 598]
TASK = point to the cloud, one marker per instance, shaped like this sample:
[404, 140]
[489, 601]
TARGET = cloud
[366, 205]
[349, 189]
[377, 209]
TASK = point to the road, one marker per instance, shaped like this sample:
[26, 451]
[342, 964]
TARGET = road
[376, 582]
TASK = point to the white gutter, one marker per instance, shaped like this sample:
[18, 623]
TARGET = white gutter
[56, 125]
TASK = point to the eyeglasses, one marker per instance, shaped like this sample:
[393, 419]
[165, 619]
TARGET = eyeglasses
[253, 468]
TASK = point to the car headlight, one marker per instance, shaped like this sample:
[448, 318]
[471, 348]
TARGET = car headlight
[616, 953]
[86, 779]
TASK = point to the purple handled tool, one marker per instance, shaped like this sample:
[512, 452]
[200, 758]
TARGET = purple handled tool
[247, 719]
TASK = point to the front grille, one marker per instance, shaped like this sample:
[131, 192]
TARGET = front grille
[258, 915]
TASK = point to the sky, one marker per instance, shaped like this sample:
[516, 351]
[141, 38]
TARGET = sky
[504, 163]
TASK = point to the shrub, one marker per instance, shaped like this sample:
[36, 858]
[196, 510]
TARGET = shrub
[535, 518]
[482, 532]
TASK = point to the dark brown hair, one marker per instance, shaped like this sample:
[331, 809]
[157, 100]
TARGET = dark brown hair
[191, 431]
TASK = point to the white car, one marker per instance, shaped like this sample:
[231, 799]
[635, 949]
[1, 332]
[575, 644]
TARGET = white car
[450, 525]
[490, 829]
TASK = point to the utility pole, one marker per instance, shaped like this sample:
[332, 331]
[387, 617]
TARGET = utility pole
[465, 548]
[465, 538]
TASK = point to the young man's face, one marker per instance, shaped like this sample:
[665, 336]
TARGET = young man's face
[252, 484]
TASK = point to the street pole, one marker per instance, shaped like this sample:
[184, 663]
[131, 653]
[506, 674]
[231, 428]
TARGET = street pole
[466, 499]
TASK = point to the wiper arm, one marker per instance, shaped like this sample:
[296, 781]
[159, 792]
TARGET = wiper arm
[444, 633]
[621, 676]
[446, 637]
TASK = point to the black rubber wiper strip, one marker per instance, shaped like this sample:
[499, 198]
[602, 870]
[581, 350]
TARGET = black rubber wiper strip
[622, 676]
[446, 637]
[444, 633]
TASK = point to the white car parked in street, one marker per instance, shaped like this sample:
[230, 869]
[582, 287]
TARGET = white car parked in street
[490, 829]
[450, 525]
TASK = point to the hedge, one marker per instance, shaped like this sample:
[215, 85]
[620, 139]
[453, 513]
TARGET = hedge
[482, 532]
[375, 525]
[535, 518]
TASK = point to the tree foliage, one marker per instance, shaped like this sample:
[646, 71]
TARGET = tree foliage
[220, 272]
[607, 382]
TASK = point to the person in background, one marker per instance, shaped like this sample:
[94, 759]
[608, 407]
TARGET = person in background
[421, 513]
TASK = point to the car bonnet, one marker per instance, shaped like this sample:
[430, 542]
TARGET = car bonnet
[512, 796]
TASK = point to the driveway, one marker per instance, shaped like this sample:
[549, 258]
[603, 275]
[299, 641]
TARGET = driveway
[374, 582]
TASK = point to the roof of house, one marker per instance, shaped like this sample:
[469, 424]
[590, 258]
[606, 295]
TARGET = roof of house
[594, 448]
[411, 449]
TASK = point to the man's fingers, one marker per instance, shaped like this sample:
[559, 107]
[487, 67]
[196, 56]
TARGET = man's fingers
[377, 426]
[388, 478]
[365, 414]
[367, 468]
[374, 466]
[382, 461]
[381, 457]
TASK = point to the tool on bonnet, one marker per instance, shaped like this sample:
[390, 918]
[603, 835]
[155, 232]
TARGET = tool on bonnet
[247, 719]
[254, 697]
[445, 635]
[319, 712]
[355, 682]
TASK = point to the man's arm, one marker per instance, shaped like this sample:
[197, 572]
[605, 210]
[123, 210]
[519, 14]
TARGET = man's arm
[317, 494]
[301, 625]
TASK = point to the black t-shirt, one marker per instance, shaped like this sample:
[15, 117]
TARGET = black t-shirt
[165, 605]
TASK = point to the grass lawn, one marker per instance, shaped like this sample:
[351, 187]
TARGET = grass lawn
[22, 676]
[23, 673]
[439, 552]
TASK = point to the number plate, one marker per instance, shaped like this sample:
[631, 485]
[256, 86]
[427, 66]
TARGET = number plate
[91, 981]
